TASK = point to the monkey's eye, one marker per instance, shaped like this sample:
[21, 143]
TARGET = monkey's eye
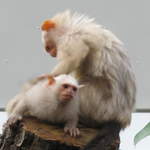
[74, 89]
[65, 86]
[47, 48]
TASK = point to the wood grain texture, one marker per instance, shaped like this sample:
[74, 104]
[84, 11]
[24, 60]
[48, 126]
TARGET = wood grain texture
[33, 134]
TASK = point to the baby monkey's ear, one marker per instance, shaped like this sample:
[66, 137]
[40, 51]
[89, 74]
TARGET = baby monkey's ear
[51, 80]
[81, 86]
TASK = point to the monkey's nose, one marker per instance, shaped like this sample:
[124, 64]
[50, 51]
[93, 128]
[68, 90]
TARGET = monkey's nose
[71, 93]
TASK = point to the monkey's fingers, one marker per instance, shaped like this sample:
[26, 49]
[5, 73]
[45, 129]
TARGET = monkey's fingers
[73, 131]
[76, 132]
[43, 76]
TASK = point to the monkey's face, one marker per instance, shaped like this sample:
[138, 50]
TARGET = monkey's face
[49, 44]
[67, 92]
[48, 37]
[50, 48]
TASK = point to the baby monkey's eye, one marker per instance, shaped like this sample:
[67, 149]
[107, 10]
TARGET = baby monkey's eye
[65, 86]
[74, 89]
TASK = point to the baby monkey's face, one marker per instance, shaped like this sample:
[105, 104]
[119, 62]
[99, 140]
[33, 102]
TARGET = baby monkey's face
[67, 92]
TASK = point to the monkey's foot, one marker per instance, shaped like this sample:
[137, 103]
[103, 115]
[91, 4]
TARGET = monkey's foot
[73, 131]
[13, 119]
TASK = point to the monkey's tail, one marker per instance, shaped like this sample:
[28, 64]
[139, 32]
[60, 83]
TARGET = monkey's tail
[12, 103]
[107, 139]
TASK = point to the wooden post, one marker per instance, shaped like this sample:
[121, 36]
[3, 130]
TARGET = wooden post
[32, 134]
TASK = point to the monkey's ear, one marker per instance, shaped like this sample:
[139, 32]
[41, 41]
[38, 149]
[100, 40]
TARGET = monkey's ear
[81, 86]
[48, 24]
[51, 80]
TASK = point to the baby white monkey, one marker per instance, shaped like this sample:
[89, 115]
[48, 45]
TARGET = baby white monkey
[51, 99]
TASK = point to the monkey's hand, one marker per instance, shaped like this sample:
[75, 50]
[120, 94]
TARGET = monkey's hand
[43, 76]
[72, 130]
[33, 82]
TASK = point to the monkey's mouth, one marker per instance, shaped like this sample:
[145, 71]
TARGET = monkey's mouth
[52, 52]
[67, 97]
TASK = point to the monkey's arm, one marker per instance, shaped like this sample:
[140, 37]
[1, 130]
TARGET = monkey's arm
[71, 127]
[65, 67]
[70, 55]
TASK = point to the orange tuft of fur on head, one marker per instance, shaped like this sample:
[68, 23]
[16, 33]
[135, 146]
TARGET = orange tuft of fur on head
[48, 24]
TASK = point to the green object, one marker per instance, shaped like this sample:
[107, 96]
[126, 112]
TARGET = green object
[142, 134]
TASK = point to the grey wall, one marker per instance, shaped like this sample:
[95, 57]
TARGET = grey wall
[21, 52]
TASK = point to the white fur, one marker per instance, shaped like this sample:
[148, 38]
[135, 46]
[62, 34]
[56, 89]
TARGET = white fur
[41, 101]
[97, 58]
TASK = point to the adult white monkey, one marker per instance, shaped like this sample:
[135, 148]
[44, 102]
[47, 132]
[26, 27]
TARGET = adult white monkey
[96, 57]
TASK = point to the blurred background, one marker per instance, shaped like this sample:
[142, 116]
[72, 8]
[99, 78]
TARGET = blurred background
[22, 56]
